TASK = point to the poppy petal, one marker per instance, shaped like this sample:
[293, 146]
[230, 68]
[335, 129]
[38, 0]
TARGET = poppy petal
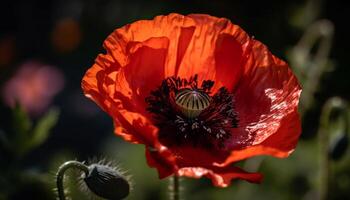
[176, 27]
[220, 176]
[267, 97]
[161, 159]
[198, 44]
[105, 84]
[98, 81]
[281, 144]
[187, 156]
[215, 51]
[228, 60]
[142, 67]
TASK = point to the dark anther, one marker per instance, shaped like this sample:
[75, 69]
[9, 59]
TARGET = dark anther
[207, 85]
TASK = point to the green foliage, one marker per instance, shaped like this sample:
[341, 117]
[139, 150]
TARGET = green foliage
[42, 129]
[20, 121]
[26, 137]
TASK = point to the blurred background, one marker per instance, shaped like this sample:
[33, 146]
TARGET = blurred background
[46, 47]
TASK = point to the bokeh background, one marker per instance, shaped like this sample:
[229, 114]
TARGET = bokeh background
[46, 47]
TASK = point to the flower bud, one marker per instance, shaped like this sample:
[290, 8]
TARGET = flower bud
[106, 182]
[338, 147]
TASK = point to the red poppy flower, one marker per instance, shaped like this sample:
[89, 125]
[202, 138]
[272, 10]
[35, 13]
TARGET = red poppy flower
[199, 93]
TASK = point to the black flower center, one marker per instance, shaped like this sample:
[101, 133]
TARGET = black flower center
[187, 113]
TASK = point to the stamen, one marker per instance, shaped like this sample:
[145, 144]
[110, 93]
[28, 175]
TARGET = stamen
[186, 113]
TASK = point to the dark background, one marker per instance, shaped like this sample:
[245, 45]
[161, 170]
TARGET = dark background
[84, 131]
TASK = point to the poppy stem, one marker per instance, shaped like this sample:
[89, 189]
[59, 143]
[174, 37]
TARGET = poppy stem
[174, 188]
[60, 175]
[324, 138]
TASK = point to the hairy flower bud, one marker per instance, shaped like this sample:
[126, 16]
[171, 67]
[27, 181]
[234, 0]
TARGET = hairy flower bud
[106, 182]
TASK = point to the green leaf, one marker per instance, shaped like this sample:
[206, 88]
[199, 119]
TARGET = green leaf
[21, 124]
[21, 121]
[42, 129]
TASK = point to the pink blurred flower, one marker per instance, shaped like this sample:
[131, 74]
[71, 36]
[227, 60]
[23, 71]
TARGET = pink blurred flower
[34, 85]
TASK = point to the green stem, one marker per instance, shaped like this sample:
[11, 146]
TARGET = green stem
[175, 188]
[60, 175]
[324, 157]
[324, 141]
